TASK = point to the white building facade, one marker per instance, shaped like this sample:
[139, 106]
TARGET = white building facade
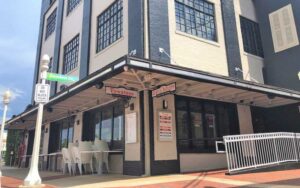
[160, 80]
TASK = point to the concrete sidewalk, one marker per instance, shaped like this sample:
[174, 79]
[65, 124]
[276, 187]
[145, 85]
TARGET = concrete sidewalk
[215, 179]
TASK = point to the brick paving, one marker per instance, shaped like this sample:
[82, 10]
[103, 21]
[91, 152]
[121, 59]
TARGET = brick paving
[276, 177]
[9, 182]
[214, 179]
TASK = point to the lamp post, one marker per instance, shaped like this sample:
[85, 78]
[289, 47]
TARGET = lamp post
[6, 100]
[33, 178]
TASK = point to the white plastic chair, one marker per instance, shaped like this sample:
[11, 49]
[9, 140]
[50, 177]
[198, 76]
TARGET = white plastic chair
[100, 145]
[82, 158]
[67, 160]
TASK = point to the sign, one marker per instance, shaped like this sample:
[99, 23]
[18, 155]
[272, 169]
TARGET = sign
[164, 90]
[165, 126]
[42, 93]
[61, 78]
[119, 91]
[130, 128]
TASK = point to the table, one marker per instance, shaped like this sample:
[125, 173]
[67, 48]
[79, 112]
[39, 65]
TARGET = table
[99, 171]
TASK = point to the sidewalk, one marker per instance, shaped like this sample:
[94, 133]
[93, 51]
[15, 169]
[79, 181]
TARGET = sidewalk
[215, 179]
[9, 182]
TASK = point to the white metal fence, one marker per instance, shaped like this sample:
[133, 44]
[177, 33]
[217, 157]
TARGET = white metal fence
[245, 152]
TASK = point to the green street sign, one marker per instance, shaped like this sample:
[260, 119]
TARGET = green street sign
[61, 78]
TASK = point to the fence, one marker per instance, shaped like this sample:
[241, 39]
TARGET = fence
[246, 152]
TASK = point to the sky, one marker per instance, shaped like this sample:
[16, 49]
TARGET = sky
[19, 29]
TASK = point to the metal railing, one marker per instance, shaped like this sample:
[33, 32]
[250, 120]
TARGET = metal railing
[251, 151]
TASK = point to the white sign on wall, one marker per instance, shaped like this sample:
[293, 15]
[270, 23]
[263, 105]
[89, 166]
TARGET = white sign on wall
[165, 120]
[130, 128]
[42, 93]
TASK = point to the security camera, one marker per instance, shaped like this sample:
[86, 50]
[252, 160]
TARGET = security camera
[161, 50]
[133, 52]
[237, 69]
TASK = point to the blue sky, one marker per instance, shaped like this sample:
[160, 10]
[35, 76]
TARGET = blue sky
[19, 27]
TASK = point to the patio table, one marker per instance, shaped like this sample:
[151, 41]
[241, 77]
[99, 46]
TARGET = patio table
[99, 171]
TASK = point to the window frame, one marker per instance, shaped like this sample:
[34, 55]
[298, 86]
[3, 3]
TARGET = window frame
[113, 144]
[251, 37]
[108, 27]
[51, 22]
[76, 47]
[197, 34]
[190, 148]
[72, 6]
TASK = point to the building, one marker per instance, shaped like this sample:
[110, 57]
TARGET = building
[162, 80]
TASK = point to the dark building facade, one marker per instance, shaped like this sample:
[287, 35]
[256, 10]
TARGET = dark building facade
[281, 68]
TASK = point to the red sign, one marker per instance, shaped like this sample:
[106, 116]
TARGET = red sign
[164, 90]
[120, 92]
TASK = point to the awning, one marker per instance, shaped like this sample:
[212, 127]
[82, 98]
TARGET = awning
[140, 74]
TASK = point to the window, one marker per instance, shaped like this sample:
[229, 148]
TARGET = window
[106, 123]
[201, 122]
[251, 37]
[283, 27]
[66, 131]
[71, 51]
[110, 25]
[51, 22]
[196, 17]
[61, 134]
[72, 5]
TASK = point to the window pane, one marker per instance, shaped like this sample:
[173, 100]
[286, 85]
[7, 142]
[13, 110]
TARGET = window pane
[197, 124]
[118, 138]
[97, 125]
[71, 131]
[224, 121]
[118, 125]
[64, 137]
[196, 18]
[106, 125]
[182, 122]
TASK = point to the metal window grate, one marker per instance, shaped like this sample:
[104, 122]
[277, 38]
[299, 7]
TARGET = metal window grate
[51, 22]
[72, 4]
[251, 37]
[110, 25]
[196, 17]
[71, 51]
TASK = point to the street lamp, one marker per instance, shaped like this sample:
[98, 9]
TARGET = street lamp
[6, 100]
[33, 178]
